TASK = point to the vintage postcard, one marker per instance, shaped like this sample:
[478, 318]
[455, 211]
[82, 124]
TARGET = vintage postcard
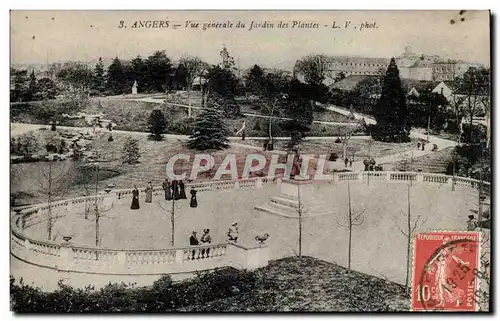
[250, 161]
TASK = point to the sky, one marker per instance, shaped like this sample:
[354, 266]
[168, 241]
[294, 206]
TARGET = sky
[55, 36]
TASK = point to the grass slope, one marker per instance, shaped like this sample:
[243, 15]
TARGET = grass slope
[310, 285]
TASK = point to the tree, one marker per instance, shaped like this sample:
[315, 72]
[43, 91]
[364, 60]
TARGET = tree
[273, 91]
[194, 68]
[353, 220]
[130, 152]
[27, 144]
[209, 131]
[76, 78]
[157, 124]
[347, 132]
[254, 80]
[46, 89]
[313, 68]
[227, 60]
[138, 72]
[116, 82]
[19, 85]
[98, 79]
[222, 89]
[474, 87]
[54, 182]
[410, 231]
[390, 112]
[32, 87]
[299, 107]
[159, 68]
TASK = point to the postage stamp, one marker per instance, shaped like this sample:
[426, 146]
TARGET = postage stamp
[446, 271]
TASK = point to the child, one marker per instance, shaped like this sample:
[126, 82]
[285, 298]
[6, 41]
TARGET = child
[471, 223]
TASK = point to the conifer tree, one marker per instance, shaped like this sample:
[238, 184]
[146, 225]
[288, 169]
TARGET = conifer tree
[209, 132]
[391, 112]
[130, 153]
[116, 77]
[157, 124]
[98, 78]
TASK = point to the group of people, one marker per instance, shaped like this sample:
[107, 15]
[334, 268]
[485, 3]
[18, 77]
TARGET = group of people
[206, 239]
[174, 190]
[369, 164]
[348, 161]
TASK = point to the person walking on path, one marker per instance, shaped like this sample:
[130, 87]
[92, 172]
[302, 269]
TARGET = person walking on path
[346, 161]
[149, 193]
[135, 199]
[233, 233]
[167, 187]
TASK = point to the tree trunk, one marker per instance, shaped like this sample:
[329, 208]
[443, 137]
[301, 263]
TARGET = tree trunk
[172, 218]
[300, 221]
[408, 243]
[49, 202]
[350, 226]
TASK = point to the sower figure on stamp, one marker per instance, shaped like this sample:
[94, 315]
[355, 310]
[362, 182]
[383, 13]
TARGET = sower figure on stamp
[149, 193]
[442, 269]
[135, 199]
[167, 188]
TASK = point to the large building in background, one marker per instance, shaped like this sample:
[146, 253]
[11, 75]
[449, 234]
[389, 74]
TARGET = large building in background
[411, 66]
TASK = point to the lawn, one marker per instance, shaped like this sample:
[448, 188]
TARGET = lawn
[361, 148]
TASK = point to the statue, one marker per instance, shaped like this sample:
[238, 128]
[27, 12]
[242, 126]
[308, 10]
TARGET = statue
[134, 88]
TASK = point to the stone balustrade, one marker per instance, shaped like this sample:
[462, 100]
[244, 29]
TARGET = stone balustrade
[71, 258]
[29, 215]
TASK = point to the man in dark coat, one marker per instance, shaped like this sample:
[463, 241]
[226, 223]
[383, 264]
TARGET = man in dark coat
[193, 241]
[167, 188]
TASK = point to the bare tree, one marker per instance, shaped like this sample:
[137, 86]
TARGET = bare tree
[54, 183]
[194, 68]
[347, 133]
[171, 212]
[408, 233]
[354, 219]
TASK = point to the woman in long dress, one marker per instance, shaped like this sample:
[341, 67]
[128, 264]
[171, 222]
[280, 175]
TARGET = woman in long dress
[149, 193]
[175, 189]
[135, 199]
[167, 187]
[182, 192]
[194, 202]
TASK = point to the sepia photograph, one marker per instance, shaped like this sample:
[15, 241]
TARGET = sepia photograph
[250, 161]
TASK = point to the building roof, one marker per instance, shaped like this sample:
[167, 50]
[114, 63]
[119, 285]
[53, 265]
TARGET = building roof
[419, 85]
[349, 82]
[422, 64]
